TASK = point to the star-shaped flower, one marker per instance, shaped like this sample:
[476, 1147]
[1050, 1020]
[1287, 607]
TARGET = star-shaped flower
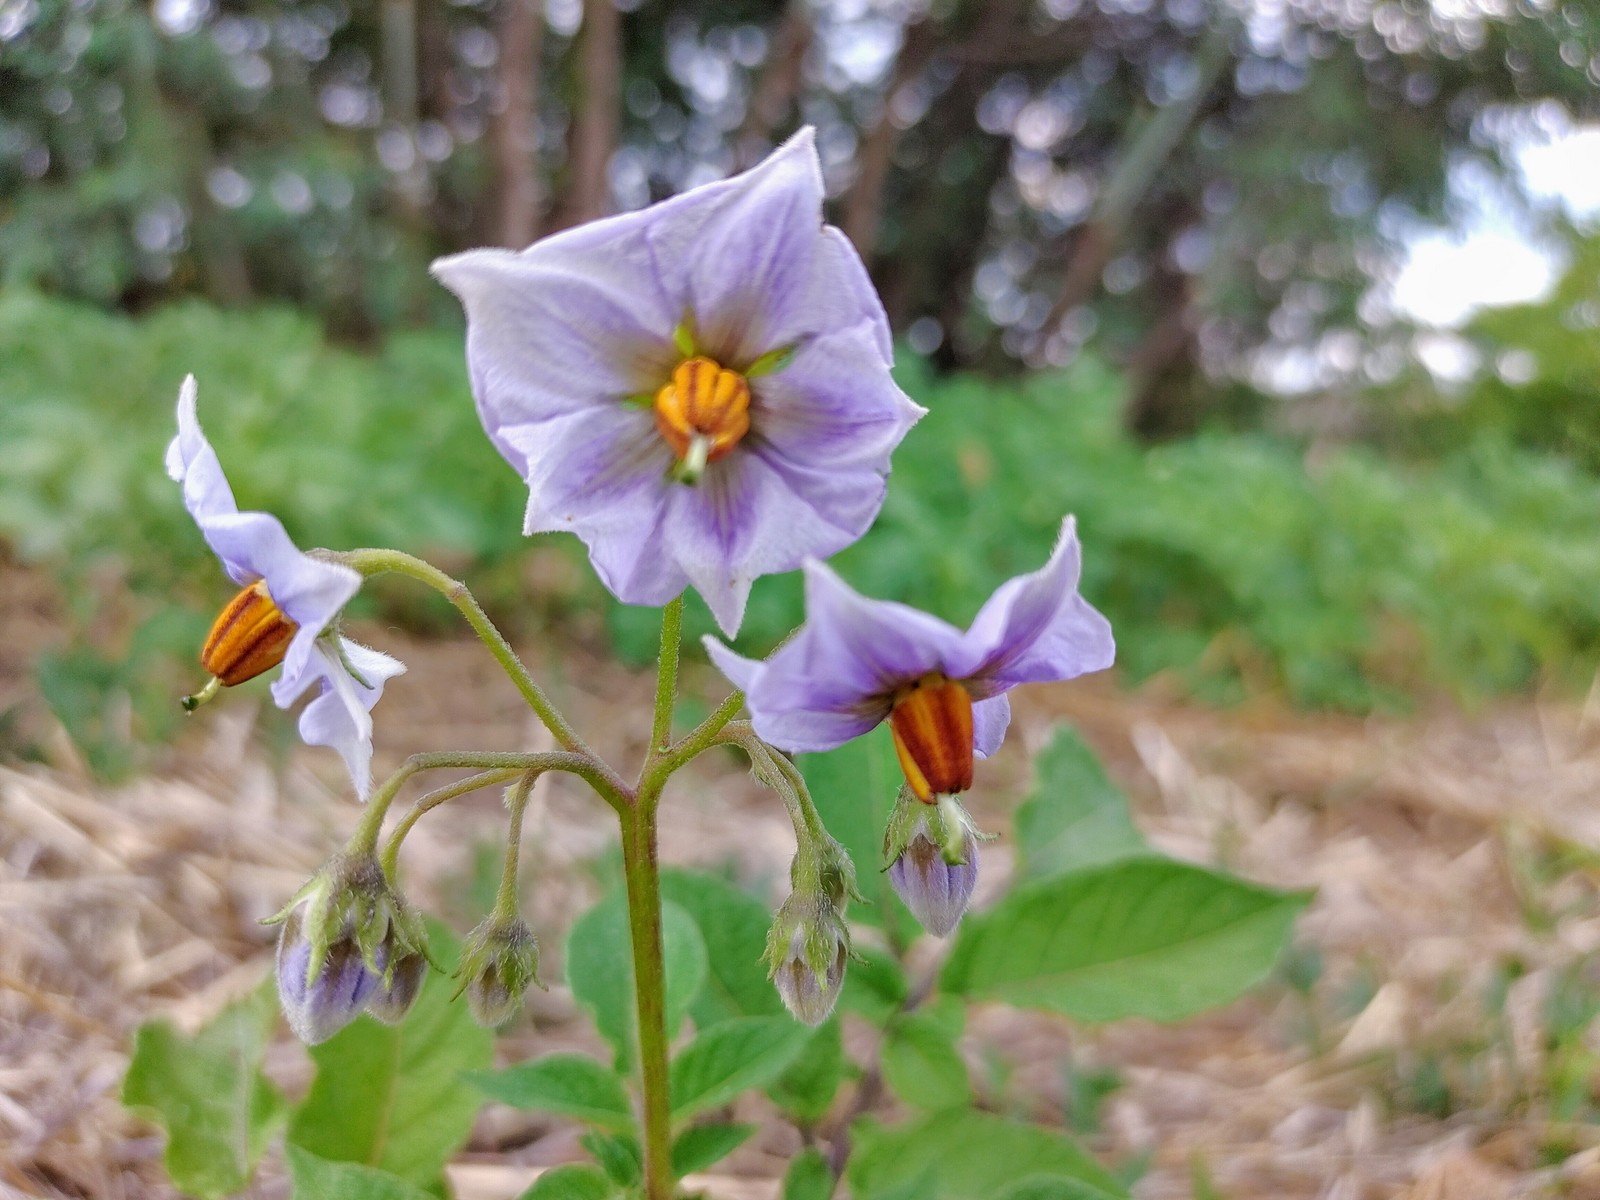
[286, 611]
[856, 662]
[699, 390]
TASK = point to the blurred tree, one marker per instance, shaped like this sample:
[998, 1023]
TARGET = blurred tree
[1190, 182]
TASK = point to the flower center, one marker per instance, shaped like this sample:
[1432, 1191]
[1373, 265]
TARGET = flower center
[251, 636]
[702, 413]
[932, 725]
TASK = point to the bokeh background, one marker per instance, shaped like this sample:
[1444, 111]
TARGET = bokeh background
[1293, 302]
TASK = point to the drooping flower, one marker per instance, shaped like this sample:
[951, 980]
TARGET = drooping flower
[499, 962]
[699, 390]
[285, 611]
[857, 662]
[932, 856]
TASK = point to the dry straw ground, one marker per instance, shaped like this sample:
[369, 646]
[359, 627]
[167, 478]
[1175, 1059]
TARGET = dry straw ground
[1455, 858]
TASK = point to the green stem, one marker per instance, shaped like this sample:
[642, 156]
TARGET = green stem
[643, 875]
[505, 901]
[666, 676]
[430, 801]
[693, 744]
[595, 773]
[376, 562]
[781, 775]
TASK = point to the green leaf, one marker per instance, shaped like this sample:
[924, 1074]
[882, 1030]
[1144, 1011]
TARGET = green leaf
[1143, 937]
[395, 1098]
[725, 1060]
[922, 1066]
[808, 1177]
[734, 926]
[697, 1148]
[806, 1090]
[1051, 1187]
[599, 965]
[875, 986]
[854, 788]
[574, 1084]
[961, 1154]
[1074, 817]
[318, 1179]
[573, 1181]
[618, 1155]
[208, 1093]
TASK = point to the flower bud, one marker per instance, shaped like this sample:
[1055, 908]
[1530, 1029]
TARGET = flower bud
[348, 938]
[498, 963]
[807, 948]
[395, 995]
[932, 852]
[320, 994]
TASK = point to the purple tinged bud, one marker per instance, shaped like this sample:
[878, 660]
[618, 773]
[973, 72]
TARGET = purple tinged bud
[499, 962]
[318, 1001]
[807, 950]
[391, 1003]
[937, 892]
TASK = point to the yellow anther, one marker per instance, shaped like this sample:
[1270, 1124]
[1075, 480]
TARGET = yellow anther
[932, 726]
[251, 636]
[702, 413]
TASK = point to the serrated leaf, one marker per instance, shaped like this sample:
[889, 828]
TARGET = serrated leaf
[734, 927]
[1143, 937]
[574, 1181]
[806, 1090]
[727, 1059]
[318, 1179]
[207, 1092]
[599, 967]
[618, 1154]
[808, 1177]
[697, 1148]
[1074, 816]
[962, 1154]
[922, 1066]
[574, 1084]
[396, 1098]
[854, 788]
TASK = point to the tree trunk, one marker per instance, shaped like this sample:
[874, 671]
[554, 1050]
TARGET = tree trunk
[865, 202]
[594, 130]
[513, 134]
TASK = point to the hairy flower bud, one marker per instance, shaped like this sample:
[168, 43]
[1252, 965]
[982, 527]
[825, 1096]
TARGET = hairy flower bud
[498, 964]
[320, 993]
[348, 938]
[807, 949]
[394, 998]
[932, 856]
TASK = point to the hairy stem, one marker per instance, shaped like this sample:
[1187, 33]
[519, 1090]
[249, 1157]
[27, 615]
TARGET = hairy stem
[666, 676]
[390, 858]
[693, 743]
[505, 901]
[643, 875]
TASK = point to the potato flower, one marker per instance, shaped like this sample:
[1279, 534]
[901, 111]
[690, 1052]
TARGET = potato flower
[285, 612]
[699, 390]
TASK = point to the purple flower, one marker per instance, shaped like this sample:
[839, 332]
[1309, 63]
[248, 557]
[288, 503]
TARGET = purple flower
[807, 949]
[699, 390]
[286, 610]
[856, 662]
[934, 884]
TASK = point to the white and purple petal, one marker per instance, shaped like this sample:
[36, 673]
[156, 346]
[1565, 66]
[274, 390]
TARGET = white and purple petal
[339, 716]
[1037, 628]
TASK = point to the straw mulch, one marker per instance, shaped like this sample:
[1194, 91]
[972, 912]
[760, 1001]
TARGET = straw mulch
[1454, 856]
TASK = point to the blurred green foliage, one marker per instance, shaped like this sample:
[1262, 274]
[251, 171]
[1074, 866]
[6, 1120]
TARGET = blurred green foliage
[1234, 563]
